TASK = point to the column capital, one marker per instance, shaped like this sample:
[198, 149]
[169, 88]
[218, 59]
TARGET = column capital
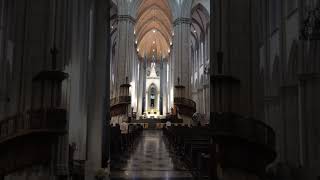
[182, 20]
[126, 18]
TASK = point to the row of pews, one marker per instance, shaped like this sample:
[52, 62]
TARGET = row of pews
[191, 146]
[231, 143]
[123, 143]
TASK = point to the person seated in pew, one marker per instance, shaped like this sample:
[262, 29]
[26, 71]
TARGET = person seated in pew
[168, 124]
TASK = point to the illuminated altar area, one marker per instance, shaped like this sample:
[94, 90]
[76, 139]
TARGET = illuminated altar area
[152, 105]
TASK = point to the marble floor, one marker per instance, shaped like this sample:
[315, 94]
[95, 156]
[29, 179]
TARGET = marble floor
[150, 159]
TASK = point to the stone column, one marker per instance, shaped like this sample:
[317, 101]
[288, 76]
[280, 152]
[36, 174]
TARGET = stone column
[136, 81]
[139, 89]
[309, 132]
[144, 98]
[208, 102]
[114, 66]
[77, 65]
[161, 87]
[99, 90]
[170, 84]
[126, 50]
[165, 87]
[181, 68]
[181, 53]
[302, 127]
[3, 60]
[125, 59]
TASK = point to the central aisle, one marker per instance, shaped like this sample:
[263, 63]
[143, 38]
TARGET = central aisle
[151, 160]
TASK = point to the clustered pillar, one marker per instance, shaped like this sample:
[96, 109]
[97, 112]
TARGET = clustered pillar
[181, 66]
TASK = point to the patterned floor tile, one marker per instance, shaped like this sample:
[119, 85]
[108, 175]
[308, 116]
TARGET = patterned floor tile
[150, 160]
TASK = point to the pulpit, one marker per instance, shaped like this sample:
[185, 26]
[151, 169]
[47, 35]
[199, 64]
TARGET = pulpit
[182, 104]
[28, 137]
[121, 105]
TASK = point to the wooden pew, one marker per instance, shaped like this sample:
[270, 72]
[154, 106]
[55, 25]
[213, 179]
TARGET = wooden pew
[122, 144]
[115, 146]
[190, 145]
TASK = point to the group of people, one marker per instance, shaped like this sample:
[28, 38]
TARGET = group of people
[126, 128]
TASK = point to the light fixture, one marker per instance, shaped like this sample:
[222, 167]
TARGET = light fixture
[154, 31]
[194, 31]
[138, 49]
[153, 42]
[169, 51]
[136, 42]
[170, 43]
[134, 32]
[172, 33]
[111, 27]
[153, 50]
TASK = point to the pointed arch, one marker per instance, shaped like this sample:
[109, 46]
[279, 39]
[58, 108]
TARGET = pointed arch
[200, 22]
[204, 3]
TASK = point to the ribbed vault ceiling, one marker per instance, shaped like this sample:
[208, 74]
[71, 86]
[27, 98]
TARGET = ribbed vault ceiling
[200, 23]
[154, 28]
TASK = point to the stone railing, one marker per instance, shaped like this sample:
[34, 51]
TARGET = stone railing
[43, 120]
[26, 139]
[120, 100]
[246, 128]
[186, 106]
[245, 143]
[184, 102]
